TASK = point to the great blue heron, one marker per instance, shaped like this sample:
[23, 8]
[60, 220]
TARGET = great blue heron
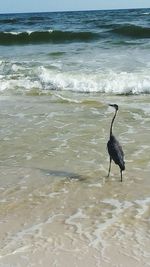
[114, 148]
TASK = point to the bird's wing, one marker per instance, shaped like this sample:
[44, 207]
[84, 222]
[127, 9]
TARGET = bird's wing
[116, 152]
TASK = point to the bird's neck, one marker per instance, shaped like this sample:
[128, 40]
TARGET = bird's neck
[112, 123]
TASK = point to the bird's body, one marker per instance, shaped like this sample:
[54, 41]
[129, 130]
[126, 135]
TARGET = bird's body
[114, 148]
[116, 152]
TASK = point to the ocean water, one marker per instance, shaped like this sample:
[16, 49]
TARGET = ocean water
[58, 73]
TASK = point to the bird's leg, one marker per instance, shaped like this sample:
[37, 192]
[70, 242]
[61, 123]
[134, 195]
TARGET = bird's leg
[109, 167]
[121, 174]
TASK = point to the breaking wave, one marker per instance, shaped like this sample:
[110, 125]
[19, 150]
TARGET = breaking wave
[109, 82]
[45, 80]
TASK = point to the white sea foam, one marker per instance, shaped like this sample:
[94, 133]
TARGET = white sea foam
[25, 84]
[109, 82]
[112, 216]
[29, 32]
[19, 242]
[79, 215]
[14, 33]
[143, 206]
[146, 13]
[95, 185]
[16, 67]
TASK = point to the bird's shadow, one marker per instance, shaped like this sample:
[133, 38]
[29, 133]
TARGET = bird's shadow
[63, 174]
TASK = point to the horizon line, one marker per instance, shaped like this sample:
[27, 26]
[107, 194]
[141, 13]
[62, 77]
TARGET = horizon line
[81, 10]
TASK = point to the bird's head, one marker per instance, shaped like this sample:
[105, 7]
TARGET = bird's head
[114, 105]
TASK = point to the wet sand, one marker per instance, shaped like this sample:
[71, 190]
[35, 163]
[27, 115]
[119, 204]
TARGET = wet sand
[57, 208]
[71, 223]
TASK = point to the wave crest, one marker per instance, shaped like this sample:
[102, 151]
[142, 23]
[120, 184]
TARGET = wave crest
[133, 31]
[110, 82]
[46, 79]
[9, 38]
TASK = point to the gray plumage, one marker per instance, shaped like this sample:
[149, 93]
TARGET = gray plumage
[114, 148]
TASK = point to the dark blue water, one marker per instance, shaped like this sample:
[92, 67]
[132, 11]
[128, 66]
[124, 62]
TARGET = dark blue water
[94, 51]
[113, 26]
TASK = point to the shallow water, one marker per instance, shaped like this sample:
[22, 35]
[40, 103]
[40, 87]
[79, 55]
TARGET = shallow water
[53, 174]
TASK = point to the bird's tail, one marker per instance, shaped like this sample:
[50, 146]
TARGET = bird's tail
[122, 165]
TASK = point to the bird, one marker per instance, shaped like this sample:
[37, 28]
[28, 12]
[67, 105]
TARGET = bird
[114, 148]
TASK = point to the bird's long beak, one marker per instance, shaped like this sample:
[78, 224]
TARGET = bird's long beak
[111, 105]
